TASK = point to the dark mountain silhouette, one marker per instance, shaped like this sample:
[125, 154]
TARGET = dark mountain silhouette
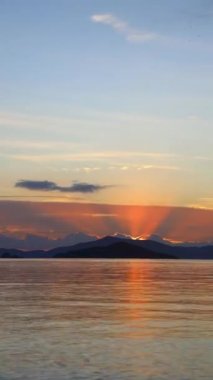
[179, 251]
[115, 247]
[116, 250]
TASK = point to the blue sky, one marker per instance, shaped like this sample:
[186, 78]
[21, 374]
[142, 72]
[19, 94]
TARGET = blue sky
[116, 93]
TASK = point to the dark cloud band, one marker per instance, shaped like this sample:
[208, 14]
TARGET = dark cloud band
[76, 187]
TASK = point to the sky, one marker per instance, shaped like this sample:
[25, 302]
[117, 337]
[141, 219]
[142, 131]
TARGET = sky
[106, 103]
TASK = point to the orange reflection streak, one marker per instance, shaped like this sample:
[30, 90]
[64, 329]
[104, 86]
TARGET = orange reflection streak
[140, 284]
[135, 282]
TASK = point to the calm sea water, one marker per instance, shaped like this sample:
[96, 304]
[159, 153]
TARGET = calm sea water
[92, 319]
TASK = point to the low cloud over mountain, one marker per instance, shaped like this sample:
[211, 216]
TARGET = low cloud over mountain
[36, 242]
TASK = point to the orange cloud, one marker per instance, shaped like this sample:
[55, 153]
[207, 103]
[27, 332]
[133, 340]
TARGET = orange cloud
[58, 219]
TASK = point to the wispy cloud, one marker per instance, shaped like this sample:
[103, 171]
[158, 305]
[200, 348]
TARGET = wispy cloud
[158, 167]
[88, 156]
[87, 169]
[122, 27]
[76, 187]
[205, 202]
[91, 156]
[145, 167]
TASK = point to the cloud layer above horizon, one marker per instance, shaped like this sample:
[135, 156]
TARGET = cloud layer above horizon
[59, 219]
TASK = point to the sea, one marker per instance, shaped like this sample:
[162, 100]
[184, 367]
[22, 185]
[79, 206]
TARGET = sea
[106, 320]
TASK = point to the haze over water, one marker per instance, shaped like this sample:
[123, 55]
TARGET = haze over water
[113, 319]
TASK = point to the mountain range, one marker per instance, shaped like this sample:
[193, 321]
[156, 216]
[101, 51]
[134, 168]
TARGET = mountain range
[120, 247]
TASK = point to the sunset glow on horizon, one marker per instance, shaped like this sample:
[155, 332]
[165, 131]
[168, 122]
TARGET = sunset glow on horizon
[59, 219]
[106, 118]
